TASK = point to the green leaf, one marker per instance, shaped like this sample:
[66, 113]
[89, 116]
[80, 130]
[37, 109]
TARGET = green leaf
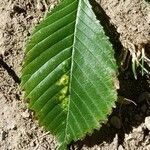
[69, 72]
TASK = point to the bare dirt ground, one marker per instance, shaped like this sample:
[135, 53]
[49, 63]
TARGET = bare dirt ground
[128, 127]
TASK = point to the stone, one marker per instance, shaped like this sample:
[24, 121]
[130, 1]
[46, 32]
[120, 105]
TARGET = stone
[2, 135]
[144, 108]
[11, 126]
[120, 147]
[32, 144]
[26, 114]
[147, 122]
[116, 122]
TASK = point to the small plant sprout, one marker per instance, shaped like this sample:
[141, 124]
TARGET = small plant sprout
[138, 59]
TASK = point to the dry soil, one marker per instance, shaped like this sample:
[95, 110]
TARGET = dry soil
[128, 127]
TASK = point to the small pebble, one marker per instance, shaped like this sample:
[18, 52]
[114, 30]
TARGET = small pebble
[128, 137]
[26, 114]
[147, 122]
[32, 144]
[116, 122]
[2, 135]
[52, 6]
[144, 108]
[40, 6]
[120, 147]
[138, 129]
[11, 126]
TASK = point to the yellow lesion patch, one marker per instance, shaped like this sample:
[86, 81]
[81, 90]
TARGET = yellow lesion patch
[64, 80]
[64, 104]
[63, 95]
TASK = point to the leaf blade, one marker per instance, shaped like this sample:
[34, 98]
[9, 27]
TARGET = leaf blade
[70, 83]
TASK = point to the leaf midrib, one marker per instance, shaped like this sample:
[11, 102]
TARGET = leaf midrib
[72, 64]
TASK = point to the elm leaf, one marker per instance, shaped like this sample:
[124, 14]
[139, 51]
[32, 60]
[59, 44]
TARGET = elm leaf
[69, 72]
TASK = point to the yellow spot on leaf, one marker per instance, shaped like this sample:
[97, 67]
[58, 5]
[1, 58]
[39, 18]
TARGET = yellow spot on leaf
[63, 93]
[64, 80]
[65, 103]
[64, 98]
